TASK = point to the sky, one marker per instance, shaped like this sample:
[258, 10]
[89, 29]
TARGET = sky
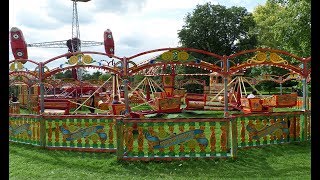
[136, 25]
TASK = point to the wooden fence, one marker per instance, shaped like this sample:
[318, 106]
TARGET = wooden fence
[160, 139]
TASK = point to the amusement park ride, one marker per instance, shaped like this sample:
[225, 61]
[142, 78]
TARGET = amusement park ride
[172, 126]
[74, 44]
[169, 99]
[19, 48]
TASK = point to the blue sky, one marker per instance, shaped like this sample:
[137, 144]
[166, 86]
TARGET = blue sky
[137, 25]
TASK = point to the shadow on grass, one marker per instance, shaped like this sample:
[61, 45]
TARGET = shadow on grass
[274, 161]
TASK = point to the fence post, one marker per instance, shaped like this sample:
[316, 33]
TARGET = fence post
[42, 131]
[292, 128]
[119, 130]
[305, 127]
[308, 103]
[309, 125]
[234, 139]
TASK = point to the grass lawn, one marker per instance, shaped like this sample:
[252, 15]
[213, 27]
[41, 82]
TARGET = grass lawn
[285, 161]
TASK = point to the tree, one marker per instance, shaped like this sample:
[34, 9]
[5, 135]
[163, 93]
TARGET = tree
[65, 74]
[136, 79]
[266, 17]
[218, 29]
[93, 76]
[96, 75]
[285, 25]
[104, 77]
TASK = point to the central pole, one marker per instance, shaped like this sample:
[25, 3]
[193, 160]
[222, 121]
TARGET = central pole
[225, 80]
[41, 69]
[125, 83]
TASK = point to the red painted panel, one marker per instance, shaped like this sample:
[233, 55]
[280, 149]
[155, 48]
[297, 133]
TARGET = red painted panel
[108, 42]
[18, 44]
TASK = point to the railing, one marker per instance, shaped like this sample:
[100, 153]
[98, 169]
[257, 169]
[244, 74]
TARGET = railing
[14, 107]
[66, 132]
[160, 139]
[25, 129]
[300, 103]
[169, 139]
[273, 128]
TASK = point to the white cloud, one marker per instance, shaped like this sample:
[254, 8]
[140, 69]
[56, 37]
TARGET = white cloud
[137, 25]
[119, 6]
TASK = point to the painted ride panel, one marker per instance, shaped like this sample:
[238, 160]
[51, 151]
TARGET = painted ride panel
[254, 105]
[168, 84]
[56, 106]
[18, 44]
[159, 94]
[284, 100]
[103, 105]
[78, 89]
[179, 92]
[118, 109]
[195, 101]
[168, 104]
[108, 42]
[134, 98]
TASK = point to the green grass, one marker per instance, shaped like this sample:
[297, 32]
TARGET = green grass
[24, 111]
[285, 161]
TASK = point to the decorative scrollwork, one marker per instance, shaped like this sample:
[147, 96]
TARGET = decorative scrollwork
[80, 59]
[174, 56]
[183, 56]
[261, 57]
[87, 59]
[16, 66]
[258, 58]
[167, 56]
[13, 66]
[73, 60]
[275, 58]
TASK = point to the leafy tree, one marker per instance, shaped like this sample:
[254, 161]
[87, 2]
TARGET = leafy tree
[266, 16]
[286, 25]
[105, 76]
[65, 74]
[96, 75]
[219, 30]
[137, 79]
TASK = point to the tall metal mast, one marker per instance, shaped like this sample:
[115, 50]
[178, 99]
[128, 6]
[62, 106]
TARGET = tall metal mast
[75, 28]
[75, 36]
[75, 39]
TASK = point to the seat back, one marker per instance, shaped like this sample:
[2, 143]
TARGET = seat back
[118, 109]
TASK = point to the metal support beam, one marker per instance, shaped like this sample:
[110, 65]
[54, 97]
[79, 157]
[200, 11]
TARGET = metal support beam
[41, 70]
[126, 97]
[305, 94]
[225, 80]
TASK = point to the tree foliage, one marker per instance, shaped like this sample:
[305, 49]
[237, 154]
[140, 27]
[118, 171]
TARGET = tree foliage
[104, 77]
[285, 25]
[64, 74]
[218, 29]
